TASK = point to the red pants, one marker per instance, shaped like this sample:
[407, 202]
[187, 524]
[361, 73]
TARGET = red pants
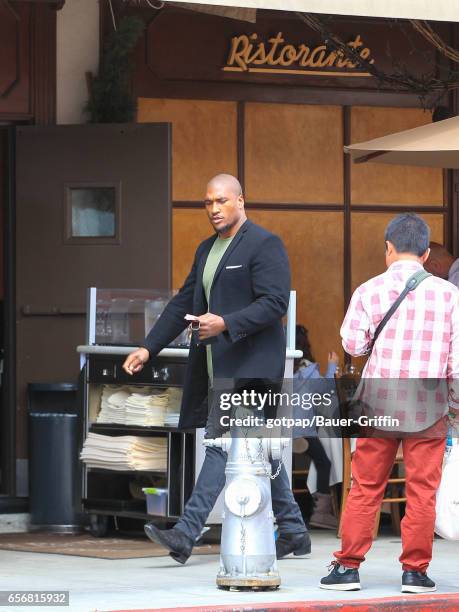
[371, 466]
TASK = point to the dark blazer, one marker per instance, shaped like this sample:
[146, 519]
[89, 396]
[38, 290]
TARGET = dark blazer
[250, 290]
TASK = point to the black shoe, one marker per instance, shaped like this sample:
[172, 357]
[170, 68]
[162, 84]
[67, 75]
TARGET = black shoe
[177, 543]
[341, 579]
[415, 582]
[297, 543]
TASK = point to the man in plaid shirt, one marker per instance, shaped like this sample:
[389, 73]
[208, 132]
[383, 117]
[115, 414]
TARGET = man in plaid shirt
[420, 341]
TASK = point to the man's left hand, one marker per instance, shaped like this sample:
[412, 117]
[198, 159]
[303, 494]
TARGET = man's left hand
[210, 325]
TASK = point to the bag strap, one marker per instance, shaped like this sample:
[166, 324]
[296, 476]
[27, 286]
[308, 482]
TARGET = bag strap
[411, 284]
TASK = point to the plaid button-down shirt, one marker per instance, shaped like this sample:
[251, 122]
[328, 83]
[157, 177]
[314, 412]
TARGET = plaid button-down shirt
[420, 340]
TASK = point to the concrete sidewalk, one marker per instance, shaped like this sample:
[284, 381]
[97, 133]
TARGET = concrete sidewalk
[155, 583]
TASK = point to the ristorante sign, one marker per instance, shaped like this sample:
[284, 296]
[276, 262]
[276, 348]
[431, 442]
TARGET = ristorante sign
[191, 54]
[250, 54]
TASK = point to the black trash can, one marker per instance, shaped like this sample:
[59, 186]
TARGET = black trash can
[54, 467]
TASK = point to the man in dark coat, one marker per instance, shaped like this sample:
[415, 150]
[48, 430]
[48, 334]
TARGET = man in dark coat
[238, 289]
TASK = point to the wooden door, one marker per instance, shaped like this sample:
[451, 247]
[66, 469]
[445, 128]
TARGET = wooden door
[93, 208]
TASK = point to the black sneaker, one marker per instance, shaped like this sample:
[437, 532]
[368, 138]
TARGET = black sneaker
[415, 582]
[341, 579]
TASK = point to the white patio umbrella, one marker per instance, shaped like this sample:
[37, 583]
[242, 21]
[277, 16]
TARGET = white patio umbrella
[440, 10]
[435, 145]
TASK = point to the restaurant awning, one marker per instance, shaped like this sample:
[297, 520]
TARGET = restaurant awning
[438, 10]
[434, 145]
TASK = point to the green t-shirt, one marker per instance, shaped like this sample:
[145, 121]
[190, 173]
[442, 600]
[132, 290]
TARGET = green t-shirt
[213, 259]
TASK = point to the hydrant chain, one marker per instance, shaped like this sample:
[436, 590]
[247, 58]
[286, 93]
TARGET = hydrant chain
[261, 457]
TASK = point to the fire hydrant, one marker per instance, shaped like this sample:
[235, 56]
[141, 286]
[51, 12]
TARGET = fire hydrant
[248, 550]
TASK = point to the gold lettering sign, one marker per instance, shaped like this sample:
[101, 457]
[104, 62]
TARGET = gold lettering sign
[249, 54]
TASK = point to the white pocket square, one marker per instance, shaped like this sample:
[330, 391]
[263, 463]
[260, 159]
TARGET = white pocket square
[233, 267]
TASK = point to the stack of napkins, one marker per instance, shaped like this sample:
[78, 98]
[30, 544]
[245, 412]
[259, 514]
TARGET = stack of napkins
[173, 407]
[125, 452]
[112, 404]
[143, 406]
[146, 410]
[175, 399]
[171, 418]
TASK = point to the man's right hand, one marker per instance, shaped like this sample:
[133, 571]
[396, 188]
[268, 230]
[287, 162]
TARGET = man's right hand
[135, 361]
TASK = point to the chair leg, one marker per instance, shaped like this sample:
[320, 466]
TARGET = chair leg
[398, 491]
[334, 500]
[338, 534]
[395, 517]
[344, 497]
[377, 521]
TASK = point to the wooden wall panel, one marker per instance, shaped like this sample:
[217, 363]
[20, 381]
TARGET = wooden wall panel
[204, 139]
[189, 228]
[314, 243]
[367, 240]
[373, 183]
[293, 153]
[44, 64]
[28, 61]
[15, 56]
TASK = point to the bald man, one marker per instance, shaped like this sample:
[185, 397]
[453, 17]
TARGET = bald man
[238, 290]
[441, 263]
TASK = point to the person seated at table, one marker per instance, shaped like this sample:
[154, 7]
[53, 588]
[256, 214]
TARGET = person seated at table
[306, 368]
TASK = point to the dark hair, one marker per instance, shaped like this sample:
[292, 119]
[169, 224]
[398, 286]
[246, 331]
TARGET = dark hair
[302, 344]
[409, 234]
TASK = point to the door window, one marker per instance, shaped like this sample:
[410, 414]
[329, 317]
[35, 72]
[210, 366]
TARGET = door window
[92, 213]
